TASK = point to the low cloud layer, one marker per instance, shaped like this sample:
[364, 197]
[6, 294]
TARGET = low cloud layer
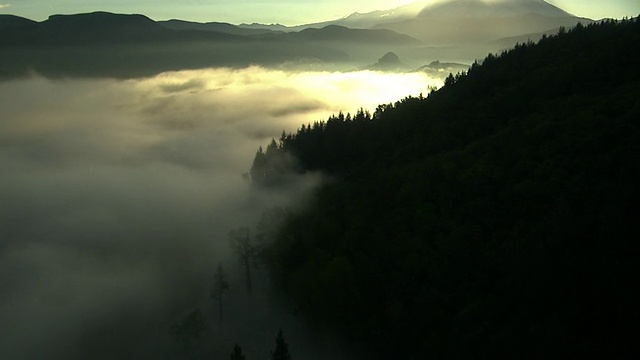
[116, 198]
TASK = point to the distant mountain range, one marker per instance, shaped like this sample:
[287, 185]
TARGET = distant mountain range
[107, 28]
[96, 28]
[419, 33]
[215, 26]
[453, 22]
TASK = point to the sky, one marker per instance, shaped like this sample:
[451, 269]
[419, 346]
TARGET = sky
[287, 12]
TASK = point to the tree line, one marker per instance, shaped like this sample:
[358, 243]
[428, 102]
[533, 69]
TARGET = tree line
[494, 218]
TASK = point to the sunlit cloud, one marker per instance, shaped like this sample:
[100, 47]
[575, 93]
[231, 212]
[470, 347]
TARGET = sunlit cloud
[2, 6]
[117, 197]
[263, 102]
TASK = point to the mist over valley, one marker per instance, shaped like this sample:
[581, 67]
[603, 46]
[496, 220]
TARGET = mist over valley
[118, 197]
[445, 179]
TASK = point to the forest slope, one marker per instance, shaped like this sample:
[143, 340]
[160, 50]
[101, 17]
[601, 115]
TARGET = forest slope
[493, 219]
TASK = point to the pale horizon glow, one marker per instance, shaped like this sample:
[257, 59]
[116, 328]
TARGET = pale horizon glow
[286, 12]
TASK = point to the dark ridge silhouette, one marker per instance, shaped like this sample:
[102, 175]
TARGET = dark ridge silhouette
[101, 28]
[388, 62]
[103, 44]
[508, 42]
[344, 34]
[14, 23]
[389, 58]
[213, 26]
[437, 68]
[495, 218]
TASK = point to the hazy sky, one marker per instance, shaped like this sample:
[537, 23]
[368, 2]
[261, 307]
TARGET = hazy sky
[289, 12]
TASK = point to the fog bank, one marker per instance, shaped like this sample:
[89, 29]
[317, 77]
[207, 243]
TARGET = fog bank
[116, 198]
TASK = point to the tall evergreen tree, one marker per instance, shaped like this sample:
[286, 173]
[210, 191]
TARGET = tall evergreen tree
[241, 242]
[282, 349]
[237, 353]
[258, 167]
[220, 286]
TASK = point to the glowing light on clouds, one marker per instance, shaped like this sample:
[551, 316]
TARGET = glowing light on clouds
[118, 196]
[290, 97]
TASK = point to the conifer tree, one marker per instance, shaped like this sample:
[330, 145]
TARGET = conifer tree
[237, 353]
[259, 167]
[220, 286]
[241, 242]
[282, 349]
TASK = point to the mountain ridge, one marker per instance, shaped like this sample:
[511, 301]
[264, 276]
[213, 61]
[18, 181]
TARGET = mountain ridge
[416, 19]
[110, 27]
[177, 24]
[465, 30]
[342, 33]
[13, 21]
[101, 27]
[491, 219]
[495, 8]
[166, 45]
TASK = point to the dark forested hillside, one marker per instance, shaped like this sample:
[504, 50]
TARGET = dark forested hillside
[495, 218]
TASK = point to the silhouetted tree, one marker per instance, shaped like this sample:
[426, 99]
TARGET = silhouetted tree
[241, 242]
[189, 331]
[282, 349]
[259, 167]
[220, 286]
[237, 353]
[273, 166]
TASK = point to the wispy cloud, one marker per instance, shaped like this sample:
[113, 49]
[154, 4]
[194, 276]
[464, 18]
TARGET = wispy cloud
[2, 6]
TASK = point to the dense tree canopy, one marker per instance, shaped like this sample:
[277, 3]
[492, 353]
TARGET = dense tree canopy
[495, 218]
